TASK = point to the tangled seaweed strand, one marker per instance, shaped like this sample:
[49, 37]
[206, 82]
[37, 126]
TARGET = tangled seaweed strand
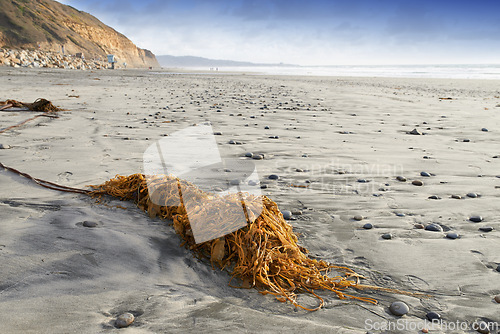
[39, 105]
[264, 254]
[43, 105]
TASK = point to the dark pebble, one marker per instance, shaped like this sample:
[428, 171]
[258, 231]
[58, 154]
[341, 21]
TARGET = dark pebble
[299, 170]
[432, 316]
[363, 181]
[466, 140]
[434, 228]
[417, 183]
[4, 147]
[452, 235]
[232, 142]
[486, 229]
[266, 127]
[367, 226]
[472, 195]
[249, 155]
[387, 236]
[124, 320]
[263, 186]
[400, 214]
[476, 219]
[401, 178]
[484, 130]
[287, 214]
[497, 299]
[415, 132]
[217, 133]
[498, 268]
[253, 183]
[274, 177]
[89, 224]
[482, 327]
[399, 308]
[425, 174]
[434, 197]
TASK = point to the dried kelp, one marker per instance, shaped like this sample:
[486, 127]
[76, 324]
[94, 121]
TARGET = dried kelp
[264, 254]
[38, 105]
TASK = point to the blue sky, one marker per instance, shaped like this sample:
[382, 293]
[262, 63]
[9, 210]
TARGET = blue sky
[313, 32]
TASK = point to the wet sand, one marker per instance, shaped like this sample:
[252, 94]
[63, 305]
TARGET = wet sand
[346, 139]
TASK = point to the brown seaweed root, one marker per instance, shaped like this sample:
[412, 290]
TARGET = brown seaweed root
[264, 254]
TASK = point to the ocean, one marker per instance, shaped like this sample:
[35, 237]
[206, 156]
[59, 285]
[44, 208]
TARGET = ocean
[396, 71]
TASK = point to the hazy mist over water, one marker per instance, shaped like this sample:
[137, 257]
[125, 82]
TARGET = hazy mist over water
[491, 72]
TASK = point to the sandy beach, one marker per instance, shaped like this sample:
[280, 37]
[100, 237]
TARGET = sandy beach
[346, 140]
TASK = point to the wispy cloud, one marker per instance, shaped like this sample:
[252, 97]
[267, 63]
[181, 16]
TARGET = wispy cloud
[309, 32]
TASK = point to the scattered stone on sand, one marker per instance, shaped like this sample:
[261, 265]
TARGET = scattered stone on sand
[232, 142]
[434, 197]
[456, 196]
[452, 235]
[417, 183]
[296, 212]
[263, 186]
[363, 180]
[415, 132]
[425, 174]
[486, 229]
[4, 147]
[400, 214]
[399, 308]
[217, 133]
[433, 316]
[249, 155]
[481, 326]
[89, 224]
[498, 268]
[258, 157]
[266, 127]
[434, 227]
[419, 226]
[299, 170]
[253, 182]
[368, 226]
[358, 217]
[401, 178]
[287, 214]
[484, 130]
[124, 320]
[497, 299]
[472, 195]
[466, 140]
[476, 219]
[387, 236]
[274, 177]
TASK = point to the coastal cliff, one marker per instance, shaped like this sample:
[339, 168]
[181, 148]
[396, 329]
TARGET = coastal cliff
[47, 25]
